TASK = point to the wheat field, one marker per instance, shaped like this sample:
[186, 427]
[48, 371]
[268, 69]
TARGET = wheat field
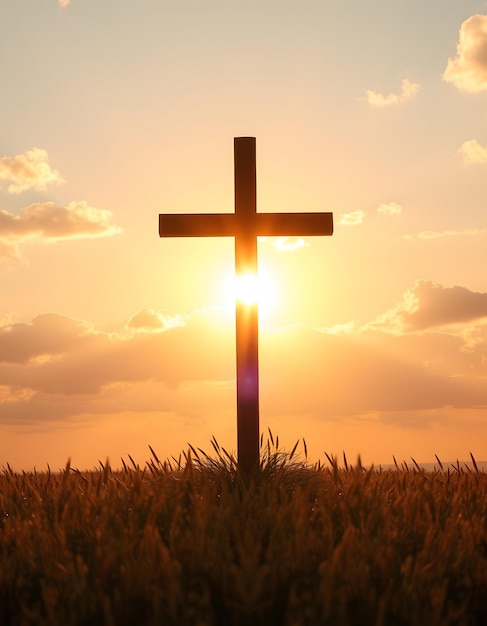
[190, 541]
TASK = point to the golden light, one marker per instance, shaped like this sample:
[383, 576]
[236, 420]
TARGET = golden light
[250, 289]
[247, 288]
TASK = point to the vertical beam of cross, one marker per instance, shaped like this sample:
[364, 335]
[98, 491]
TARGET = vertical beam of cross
[246, 315]
[246, 225]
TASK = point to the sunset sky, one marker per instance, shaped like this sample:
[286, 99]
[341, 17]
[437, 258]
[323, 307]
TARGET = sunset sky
[373, 341]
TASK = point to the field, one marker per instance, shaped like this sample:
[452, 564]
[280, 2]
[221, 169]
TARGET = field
[189, 541]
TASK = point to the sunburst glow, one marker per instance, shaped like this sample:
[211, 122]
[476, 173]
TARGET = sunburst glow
[247, 288]
[251, 289]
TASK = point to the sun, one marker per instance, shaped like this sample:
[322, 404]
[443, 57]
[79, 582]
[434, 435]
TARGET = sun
[247, 288]
[251, 289]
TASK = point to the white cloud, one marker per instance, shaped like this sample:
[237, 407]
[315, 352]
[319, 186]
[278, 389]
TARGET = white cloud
[408, 91]
[440, 234]
[289, 243]
[390, 208]
[351, 219]
[346, 328]
[468, 70]
[9, 250]
[29, 170]
[46, 222]
[472, 152]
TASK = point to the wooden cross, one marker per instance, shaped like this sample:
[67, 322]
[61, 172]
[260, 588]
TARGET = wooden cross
[245, 225]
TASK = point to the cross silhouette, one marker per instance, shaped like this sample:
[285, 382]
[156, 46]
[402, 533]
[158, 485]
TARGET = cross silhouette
[245, 225]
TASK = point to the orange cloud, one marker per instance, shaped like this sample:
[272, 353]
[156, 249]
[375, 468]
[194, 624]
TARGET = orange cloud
[47, 222]
[150, 321]
[48, 335]
[85, 365]
[408, 91]
[428, 305]
[29, 170]
[56, 368]
[468, 70]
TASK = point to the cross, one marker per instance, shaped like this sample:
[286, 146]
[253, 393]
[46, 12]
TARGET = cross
[245, 225]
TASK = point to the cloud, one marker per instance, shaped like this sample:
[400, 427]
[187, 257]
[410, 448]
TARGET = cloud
[430, 306]
[56, 355]
[9, 251]
[355, 374]
[149, 321]
[57, 368]
[29, 170]
[287, 244]
[390, 208]
[351, 219]
[408, 91]
[472, 152]
[468, 70]
[48, 336]
[47, 222]
[439, 234]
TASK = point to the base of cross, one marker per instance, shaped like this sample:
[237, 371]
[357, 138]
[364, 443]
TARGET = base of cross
[245, 225]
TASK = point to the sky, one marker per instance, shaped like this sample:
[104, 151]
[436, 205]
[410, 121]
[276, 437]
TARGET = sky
[372, 341]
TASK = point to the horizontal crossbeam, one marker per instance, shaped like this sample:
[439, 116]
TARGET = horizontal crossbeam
[257, 224]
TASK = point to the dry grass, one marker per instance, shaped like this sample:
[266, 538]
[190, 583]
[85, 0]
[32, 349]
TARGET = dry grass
[188, 541]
